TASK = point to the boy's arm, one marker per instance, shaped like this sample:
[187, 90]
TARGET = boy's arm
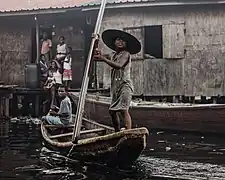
[123, 61]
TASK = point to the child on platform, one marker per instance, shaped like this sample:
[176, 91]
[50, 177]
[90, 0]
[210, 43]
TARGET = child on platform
[67, 69]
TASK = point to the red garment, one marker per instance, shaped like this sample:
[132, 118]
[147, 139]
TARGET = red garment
[67, 75]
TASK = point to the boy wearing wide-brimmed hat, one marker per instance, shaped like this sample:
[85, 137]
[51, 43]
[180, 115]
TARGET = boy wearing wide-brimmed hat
[124, 44]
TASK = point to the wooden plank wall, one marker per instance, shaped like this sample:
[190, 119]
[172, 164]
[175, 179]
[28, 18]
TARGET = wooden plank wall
[205, 47]
[194, 50]
[173, 41]
[15, 49]
[163, 77]
[137, 74]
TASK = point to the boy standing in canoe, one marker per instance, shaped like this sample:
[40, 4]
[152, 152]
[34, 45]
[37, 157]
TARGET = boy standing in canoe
[124, 44]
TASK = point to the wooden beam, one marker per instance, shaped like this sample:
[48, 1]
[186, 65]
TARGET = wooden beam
[59, 126]
[38, 11]
[150, 4]
[81, 132]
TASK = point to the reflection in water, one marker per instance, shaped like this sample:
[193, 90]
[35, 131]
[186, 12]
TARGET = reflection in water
[169, 155]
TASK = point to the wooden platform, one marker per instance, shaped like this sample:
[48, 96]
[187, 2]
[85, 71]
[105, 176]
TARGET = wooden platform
[7, 88]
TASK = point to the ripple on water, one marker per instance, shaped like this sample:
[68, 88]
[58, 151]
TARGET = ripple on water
[168, 155]
[191, 170]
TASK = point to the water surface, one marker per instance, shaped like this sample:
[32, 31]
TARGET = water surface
[168, 154]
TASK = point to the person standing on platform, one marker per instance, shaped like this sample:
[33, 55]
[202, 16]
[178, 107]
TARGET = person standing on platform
[61, 51]
[67, 69]
[46, 48]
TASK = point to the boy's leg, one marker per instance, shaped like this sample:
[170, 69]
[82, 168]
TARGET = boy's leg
[115, 120]
[126, 118]
[52, 120]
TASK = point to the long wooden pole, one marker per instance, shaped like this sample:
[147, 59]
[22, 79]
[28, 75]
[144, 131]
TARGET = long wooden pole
[81, 102]
[37, 39]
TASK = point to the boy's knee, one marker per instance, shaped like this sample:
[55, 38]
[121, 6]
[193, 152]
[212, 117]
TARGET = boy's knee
[43, 118]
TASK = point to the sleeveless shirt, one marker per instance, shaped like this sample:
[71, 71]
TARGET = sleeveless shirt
[121, 77]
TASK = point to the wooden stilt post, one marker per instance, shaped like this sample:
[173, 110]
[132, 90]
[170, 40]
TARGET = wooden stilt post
[7, 106]
[214, 99]
[14, 111]
[175, 99]
[37, 105]
[37, 39]
[1, 107]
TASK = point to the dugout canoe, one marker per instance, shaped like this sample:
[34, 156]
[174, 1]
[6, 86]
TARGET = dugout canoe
[98, 143]
[203, 118]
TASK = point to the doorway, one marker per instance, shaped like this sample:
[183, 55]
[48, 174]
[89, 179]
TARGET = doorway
[48, 30]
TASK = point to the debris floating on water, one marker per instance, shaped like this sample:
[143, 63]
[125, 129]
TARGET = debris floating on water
[168, 149]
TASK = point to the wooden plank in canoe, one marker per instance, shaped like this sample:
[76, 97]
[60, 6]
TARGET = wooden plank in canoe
[82, 132]
[60, 126]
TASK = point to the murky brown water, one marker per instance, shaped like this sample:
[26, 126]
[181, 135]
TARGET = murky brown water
[169, 155]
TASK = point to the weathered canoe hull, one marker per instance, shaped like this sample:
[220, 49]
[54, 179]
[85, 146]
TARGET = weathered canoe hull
[121, 151]
[114, 148]
[198, 118]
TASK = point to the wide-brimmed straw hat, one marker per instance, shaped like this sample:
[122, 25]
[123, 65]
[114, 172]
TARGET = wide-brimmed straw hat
[133, 46]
